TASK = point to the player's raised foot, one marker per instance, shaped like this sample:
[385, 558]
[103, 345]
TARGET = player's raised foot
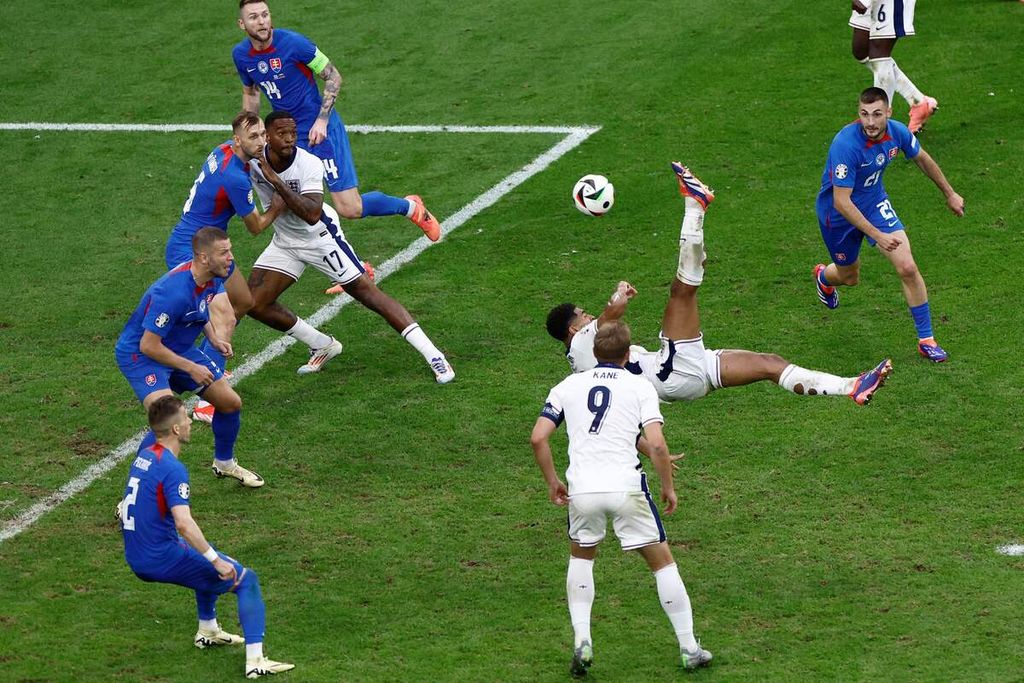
[691, 186]
[423, 218]
[930, 349]
[582, 658]
[920, 113]
[870, 382]
[265, 667]
[696, 659]
[827, 295]
[205, 639]
[443, 370]
[337, 287]
[232, 469]
[203, 412]
[317, 357]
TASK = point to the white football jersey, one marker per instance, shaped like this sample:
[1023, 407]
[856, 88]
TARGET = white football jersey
[604, 410]
[581, 354]
[304, 175]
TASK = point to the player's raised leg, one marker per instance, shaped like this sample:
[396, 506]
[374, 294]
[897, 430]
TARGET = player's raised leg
[579, 589]
[366, 292]
[227, 422]
[916, 293]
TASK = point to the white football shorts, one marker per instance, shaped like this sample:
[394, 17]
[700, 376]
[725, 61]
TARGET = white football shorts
[634, 518]
[333, 257]
[686, 370]
[886, 18]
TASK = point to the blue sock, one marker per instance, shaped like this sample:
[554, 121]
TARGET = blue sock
[148, 440]
[251, 611]
[225, 433]
[206, 605]
[822, 280]
[922, 320]
[380, 204]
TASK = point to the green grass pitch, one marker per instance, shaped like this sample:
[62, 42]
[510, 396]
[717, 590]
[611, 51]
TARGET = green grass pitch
[404, 533]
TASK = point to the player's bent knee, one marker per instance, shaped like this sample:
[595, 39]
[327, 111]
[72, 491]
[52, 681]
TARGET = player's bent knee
[908, 271]
[227, 401]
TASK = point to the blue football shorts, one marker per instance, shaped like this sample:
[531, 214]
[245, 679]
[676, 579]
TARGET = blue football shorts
[843, 239]
[145, 375]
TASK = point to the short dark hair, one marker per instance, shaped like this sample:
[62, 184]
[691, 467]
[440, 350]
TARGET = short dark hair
[163, 413]
[245, 119]
[872, 95]
[611, 343]
[243, 3]
[206, 237]
[559, 319]
[277, 115]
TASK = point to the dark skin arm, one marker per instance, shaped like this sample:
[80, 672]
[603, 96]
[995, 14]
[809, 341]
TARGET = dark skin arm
[305, 206]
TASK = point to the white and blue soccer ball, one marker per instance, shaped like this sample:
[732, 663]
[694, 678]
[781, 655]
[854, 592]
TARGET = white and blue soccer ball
[593, 195]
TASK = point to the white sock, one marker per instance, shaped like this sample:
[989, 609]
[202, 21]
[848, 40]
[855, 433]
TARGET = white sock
[415, 335]
[691, 244]
[906, 87]
[209, 624]
[676, 604]
[309, 335]
[224, 464]
[579, 587]
[411, 210]
[884, 69]
[814, 383]
[253, 652]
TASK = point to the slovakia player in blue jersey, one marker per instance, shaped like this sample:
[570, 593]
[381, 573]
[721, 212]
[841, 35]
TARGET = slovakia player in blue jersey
[282, 64]
[156, 351]
[853, 204]
[163, 543]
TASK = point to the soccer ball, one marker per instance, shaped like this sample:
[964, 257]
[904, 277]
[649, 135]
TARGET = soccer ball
[593, 194]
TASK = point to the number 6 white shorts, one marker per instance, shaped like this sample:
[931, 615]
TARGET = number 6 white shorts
[634, 518]
[333, 257]
[886, 18]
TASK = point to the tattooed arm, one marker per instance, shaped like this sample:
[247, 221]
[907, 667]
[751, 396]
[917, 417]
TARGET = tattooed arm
[332, 85]
[251, 98]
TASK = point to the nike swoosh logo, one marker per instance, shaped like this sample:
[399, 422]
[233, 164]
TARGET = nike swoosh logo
[892, 224]
[867, 164]
[250, 70]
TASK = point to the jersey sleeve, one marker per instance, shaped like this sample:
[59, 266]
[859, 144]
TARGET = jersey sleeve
[163, 311]
[303, 49]
[243, 75]
[552, 409]
[907, 140]
[842, 164]
[240, 192]
[312, 180]
[650, 410]
[176, 488]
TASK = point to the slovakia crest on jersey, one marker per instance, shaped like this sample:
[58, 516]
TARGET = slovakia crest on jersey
[150, 380]
[275, 64]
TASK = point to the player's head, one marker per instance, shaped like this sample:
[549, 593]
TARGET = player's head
[281, 133]
[611, 343]
[565, 320]
[167, 416]
[211, 250]
[254, 19]
[874, 112]
[248, 134]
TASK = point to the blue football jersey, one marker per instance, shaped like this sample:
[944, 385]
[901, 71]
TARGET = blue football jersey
[857, 162]
[157, 481]
[221, 190]
[174, 307]
[282, 71]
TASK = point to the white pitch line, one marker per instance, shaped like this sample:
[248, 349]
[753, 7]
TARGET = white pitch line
[1012, 549]
[224, 128]
[321, 316]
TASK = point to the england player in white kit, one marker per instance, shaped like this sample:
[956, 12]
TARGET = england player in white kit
[609, 414]
[308, 233]
[682, 369]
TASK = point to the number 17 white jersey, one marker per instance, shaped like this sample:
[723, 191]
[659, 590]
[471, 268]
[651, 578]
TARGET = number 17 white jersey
[604, 410]
[304, 175]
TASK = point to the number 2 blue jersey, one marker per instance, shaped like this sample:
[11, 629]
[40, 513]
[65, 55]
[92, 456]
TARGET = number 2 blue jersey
[174, 308]
[157, 481]
[221, 190]
[282, 71]
[857, 162]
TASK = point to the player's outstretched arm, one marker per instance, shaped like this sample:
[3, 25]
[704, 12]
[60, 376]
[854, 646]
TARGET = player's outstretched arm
[153, 346]
[658, 452]
[251, 98]
[193, 535]
[617, 303]
[931, 169]
[644, 446]
[841, 200]
[542, 431]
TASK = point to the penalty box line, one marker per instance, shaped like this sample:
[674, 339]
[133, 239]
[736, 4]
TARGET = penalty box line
[574, 136]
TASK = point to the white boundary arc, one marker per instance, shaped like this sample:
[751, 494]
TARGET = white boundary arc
[573, 137]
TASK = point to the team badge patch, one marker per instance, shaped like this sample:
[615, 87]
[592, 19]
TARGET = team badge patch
[262, 66]
[183, 491]
[150, 380]
[840, 256]
[275, 64]
[162, 320]
[249, 197]
[880, 159]
[842, 171]
[202, 306]
[893, 152]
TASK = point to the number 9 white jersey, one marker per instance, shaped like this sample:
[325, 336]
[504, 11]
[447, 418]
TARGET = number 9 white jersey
[604, 410]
